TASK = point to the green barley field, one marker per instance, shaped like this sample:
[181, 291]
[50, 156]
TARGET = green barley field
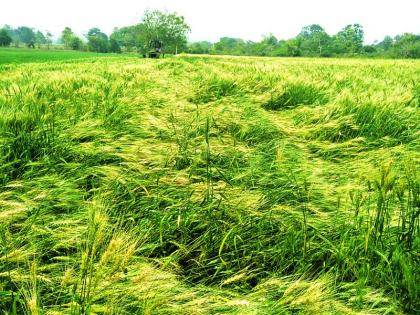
[208, 185]
[24, 55]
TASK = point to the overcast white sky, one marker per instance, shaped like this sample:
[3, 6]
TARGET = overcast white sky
[212, 19]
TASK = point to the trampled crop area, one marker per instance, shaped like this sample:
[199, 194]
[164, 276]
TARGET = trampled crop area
[209, 185]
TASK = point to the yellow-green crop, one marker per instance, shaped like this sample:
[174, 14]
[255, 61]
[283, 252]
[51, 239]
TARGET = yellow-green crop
[209, 185]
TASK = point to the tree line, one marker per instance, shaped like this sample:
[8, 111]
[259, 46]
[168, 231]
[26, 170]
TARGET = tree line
[24, 35]
[171, 30]
[168, 28]
[314, 41]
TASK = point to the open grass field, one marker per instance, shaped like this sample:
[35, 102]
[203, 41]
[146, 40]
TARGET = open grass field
[27, 55]
[210, 185]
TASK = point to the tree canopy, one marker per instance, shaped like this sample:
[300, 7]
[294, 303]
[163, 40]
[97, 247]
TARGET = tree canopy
[5, 38]
[97, 40]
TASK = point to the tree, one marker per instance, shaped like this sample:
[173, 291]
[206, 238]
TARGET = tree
[67, 37]
[40, 39]
[48, 38]
[385, 44]
[265, 47]
[76, 43]
[200, 47]
[5, 38]
[369, 49]
[349, 39]
[314, 41]
[70, 40]
[114, 47]
[25, 34]
[168, 28]
[406, 46]
[231, 46]
[97, 41]
[128, 37]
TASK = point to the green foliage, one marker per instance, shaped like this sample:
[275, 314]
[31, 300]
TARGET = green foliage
[76, 43]
[406, 46]
[114, 46]
[97, 41]
[200, 47]
[40, 39]
[385, 44]
[5, 39]
[349, 40]
[128, 37]
[70, 40]
[25, 34]
[169, 28]
[313, 41]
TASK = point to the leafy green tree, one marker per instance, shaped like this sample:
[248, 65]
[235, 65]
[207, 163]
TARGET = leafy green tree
[369, 49]
[13, 34]
[281, 49]
[230, 46]
[349, 40]
[67, 36]
[40, 39]
[5, 38]
[385, 44]
[314, 41]
[264, 48]
[202, 47]
[25, 34]
[168, 28]
[69, 39]
[406, 46]
[292, 47]
[97, 40]
[114, 46]
[48, 39]
[76, 43]
[128, 37]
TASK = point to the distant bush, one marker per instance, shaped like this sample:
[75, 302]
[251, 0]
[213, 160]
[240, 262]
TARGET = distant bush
[76, 43]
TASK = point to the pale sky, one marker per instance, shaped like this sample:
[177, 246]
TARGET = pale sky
[212, 19]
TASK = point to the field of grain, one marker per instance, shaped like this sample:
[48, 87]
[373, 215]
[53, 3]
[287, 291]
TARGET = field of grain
[26, 55]
[209, 185]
